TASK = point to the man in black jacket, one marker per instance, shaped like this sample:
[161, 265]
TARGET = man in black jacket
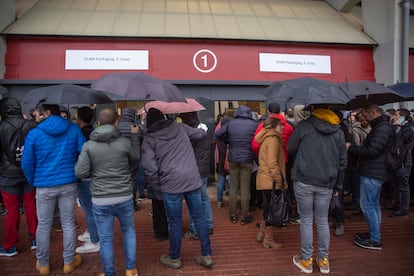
[374, 173]
[13, 184]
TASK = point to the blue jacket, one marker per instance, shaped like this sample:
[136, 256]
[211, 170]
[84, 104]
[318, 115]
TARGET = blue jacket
[50, 152]
[238, 133]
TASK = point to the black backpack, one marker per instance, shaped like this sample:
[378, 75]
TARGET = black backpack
[14, 150]
[397, 150]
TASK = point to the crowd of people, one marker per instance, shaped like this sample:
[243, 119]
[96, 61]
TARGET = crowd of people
[314, 154]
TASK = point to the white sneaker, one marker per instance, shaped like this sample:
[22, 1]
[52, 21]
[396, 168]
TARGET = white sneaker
[85, 237]
[88, 247]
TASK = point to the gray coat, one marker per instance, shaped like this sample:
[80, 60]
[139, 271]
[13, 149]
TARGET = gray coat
[105, 158]
[168, 157]
[320, 153]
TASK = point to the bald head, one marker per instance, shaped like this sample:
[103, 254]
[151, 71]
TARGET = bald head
[107, 117]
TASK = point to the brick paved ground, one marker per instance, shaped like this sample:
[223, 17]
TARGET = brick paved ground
[235, 250]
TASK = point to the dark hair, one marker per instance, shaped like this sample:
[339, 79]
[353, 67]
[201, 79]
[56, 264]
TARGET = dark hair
[271, 122]
[405, 113]
[53, 108]
[274, 108]
[85, 114]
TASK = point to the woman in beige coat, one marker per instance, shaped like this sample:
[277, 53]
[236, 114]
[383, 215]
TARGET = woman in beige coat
[271, 168]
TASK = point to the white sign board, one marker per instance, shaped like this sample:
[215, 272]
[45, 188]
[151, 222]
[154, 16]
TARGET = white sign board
[107, 60]
[294, 63]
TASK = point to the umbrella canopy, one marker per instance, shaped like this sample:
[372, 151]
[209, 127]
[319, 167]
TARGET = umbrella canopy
[370, 92]
[138, 85]
[3, 92]
[405, 89]
[175, 107]
[307, 91]
[64, 94]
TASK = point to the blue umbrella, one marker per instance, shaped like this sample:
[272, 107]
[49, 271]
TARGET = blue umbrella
[405, 89]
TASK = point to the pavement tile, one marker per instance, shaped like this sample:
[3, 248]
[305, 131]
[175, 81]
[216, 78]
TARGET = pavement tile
[235, 249]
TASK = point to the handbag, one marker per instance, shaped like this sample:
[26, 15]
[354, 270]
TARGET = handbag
[278, 207]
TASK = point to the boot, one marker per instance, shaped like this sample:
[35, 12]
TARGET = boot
[260, 235]
[268, 241]
[339, 229]
[131, 272]
[43, 270]
[68, 268]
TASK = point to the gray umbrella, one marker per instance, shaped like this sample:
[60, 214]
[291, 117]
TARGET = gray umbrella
[366, 91]
[64, 94]
[140, 86]
[307, 91]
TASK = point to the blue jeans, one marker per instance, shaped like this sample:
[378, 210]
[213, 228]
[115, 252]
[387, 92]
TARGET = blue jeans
[220, 186]
[46, 199]
[313, 201]
[104, 218]
[85, 199]
[173, 207]
[370, 205]
[205, 202]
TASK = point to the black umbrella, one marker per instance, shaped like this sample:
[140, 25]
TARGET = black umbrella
[307, 91]
[370, 92]
[140, 86]
[64, 94]
[3, 92]
[405, 89]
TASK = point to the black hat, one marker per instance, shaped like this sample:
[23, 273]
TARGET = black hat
[274, 108]
[153, 116]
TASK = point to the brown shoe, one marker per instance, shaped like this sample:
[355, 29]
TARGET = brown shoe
[261, 234]
[68, 268]
[268, 241]
[131, 272]
[43, 270]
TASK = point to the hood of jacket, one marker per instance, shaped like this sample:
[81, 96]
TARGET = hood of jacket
[265, 133]
[105, 133]
[10, 107]
[164, 130]
[128, 115]
[190, 119]
[323, 123]
[54, 125]
[243, 112]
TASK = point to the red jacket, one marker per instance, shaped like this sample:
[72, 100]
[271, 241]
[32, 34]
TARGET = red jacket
[287, 131]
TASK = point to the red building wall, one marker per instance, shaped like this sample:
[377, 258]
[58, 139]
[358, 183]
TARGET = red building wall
[40, 58]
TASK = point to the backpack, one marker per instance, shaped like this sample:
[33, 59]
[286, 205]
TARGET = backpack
[14, 150]
[397, 150]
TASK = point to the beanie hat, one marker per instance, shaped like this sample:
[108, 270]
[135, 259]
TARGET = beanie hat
[153, 116]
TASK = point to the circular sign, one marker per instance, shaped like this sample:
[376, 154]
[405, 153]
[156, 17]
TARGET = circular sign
[205, 61]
